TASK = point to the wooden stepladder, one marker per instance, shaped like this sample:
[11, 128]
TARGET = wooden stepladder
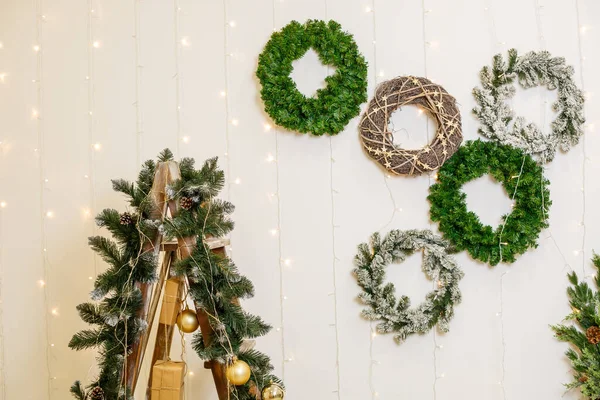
[173, 250]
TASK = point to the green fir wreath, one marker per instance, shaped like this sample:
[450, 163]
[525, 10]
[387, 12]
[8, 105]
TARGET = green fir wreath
[521, 177]
[395, 314]
[530, 70]
[330, 110]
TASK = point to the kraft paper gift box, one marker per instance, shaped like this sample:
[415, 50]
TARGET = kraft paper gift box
[167, 380]
[171, 304]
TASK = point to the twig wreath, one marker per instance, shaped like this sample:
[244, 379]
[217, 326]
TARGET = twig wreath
[391, 95]
[333, 106]
[438, 265]
[520, 175]
[532, 69]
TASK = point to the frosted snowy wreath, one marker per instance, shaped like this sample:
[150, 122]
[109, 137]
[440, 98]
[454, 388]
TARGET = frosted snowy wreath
[438, 265]
[532, 69]
[391, 95]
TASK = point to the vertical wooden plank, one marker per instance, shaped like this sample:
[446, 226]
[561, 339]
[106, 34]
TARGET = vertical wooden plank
[349, 169]
[113, 81]
[64, 118]
[306, 248]
[157, 83]
[24, 333]
[456, 67]
[254, 163]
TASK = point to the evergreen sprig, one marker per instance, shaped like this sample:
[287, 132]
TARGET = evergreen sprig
[519, 174]
[530, 70]
[585, 353]
[114, 316]
[330, 110]
[215, 282]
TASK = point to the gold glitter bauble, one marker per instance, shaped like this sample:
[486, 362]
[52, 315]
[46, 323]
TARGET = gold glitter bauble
[187, 321]
[238, 373]
[273, 392]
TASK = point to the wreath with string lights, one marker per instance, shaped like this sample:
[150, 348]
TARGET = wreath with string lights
[395, 314]
[522, 179]
[532, 69]
[332, 107]
[391, 95]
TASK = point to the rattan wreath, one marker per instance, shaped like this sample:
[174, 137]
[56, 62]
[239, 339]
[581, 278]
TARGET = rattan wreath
[391, 95]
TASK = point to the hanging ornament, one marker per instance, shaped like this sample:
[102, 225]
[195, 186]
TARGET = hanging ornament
[238, 372]
[126, 219]
[97, 393]
[187, 321]
[273, 392]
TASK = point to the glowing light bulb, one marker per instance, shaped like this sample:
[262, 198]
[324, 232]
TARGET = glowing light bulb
[86, 212]
[381, 73]
[270, 158]
[41, 283]
[238, 181]
[368, 9]
[232, 24]
[223, 93]
[35, 113]
[191, 373]
[90, 278]
[1, 45]
[97, 146]
[267, 127]
[373, 334]
[2, 77]
[235, 122]
[55, 311]
[185, 41]
[36, 48]
[185, 139]
[287, 262]
[274, 232]
[3, 204]
[583, 29]
[50, 214]
[96, 44]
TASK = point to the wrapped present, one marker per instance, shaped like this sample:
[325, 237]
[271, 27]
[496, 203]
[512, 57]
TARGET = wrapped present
[167, 380]
[171, 304]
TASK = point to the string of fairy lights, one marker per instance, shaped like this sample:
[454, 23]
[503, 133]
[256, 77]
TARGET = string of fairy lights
[37, 114]
[47, 214]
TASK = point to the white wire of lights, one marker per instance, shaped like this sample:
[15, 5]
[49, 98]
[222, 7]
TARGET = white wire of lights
[139, 126]
[46, 214]
[178, 44]
[92, 145]
[282, 262]
[2, 344]
[230, 121]
[335, 259]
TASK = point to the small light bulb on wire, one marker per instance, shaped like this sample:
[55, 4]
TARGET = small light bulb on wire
[368, 9]
[50, 214]
[223, 93]
[274, 232]
[55, 311]
[287, 262]
[96, 44]
[270, 158]
[1, 45]
[238, 181]
[235, 122]
[3, 204]
[185, 139]
[185, 41]
[97, 146]
[41, 283]
[2, 77]
[36, 48]
[232, 24]
[267, 127]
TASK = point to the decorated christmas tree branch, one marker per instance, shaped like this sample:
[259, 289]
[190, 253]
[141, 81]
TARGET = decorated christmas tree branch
[584, 335]
[215, 283]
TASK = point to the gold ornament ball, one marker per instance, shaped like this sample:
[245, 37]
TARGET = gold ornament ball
[273, 392]
[187, 321]
[238, 373]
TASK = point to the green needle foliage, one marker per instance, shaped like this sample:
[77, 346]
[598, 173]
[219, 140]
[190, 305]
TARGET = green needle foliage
[582, 335]
[113, 316]
[215, 283]
[333, 106]
[519, 174]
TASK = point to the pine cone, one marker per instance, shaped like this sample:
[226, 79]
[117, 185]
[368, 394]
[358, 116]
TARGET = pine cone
[186, 203]
[97, 393]
[126, 219]
[583, 378]
[593, 334]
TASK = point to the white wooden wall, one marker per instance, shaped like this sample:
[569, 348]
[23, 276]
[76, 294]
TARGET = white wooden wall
[90, 89]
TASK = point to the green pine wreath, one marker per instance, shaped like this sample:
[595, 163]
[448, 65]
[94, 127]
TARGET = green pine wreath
[522, 178]
[330, 110]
